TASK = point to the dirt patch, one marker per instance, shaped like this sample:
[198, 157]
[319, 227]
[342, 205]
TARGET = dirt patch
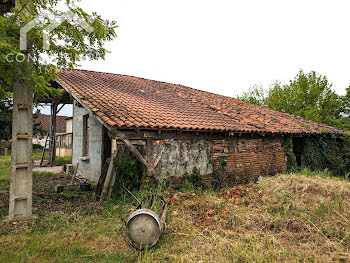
[209, 215]
[214, 211]
[244, 194]
[46, 201]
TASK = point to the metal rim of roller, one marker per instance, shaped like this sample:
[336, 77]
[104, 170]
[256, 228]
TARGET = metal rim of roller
[144, 212]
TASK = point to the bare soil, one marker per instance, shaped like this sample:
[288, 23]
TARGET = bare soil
[46, 201]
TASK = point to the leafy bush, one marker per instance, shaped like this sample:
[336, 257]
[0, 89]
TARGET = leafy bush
[128, 175]
[37, 146]
[320, 153]
[192, 181]
[63, 160]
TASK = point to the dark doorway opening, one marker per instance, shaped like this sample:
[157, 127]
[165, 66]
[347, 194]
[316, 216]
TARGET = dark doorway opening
[107, 146]
[298, 149]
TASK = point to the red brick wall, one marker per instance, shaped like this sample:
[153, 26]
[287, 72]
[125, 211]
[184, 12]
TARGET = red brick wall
[249, 157]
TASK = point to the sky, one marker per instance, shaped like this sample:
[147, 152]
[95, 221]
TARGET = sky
[225, 46]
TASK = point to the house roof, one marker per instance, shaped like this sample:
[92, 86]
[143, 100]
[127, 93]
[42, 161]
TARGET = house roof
[132, 102]
[45, 122]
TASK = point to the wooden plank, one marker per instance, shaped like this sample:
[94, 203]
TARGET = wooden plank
[171, 134]
[107, 182]
[109, 178]
[114, 173]
[135, 142]
[74, 173]
[156, 161]
[149, 155]
[110, 187]
[102, 178]
[149, 134]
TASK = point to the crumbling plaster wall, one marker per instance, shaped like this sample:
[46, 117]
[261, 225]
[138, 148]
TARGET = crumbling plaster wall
[89, 166]
[181, 157]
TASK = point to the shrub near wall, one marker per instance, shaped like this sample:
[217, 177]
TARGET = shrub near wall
[328, 152]
[128, 174]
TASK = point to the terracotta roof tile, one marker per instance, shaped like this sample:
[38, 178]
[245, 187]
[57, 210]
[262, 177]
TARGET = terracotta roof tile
[60, 122]
[126, 101]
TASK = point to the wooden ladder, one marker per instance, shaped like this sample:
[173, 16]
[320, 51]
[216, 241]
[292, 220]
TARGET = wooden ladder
[47, 151]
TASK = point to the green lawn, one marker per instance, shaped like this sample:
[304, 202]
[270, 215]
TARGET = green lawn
[5, 164]
[286, 218]
[5, 167]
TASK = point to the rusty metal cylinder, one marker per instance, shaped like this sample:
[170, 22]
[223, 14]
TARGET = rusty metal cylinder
[144, 228]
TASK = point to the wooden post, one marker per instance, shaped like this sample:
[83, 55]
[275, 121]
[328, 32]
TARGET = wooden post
[149, 156]
[52, 158]
[110, 177]
[114, 153]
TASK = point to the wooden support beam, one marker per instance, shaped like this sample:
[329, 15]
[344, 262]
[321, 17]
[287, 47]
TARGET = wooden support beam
[149, 155]
[52, 146]
[101, 180]
[156, 161]
[149, 134]
[110, 177]
[74, 173]
[134, 142]
[133, 149]
[60, 108]
[114, 153]
[107, 181]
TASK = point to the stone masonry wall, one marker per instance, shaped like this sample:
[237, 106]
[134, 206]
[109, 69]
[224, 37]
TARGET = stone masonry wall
[249, 157]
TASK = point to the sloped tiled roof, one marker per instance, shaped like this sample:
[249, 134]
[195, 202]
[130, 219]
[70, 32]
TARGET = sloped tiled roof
[132, 102]
[60, 122]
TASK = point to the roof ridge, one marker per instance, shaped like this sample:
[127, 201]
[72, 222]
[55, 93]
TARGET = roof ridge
[159, 81]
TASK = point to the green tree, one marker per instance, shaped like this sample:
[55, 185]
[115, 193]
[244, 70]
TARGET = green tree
[255, 95]
[5, 119]
[69, 44]
[308, 95]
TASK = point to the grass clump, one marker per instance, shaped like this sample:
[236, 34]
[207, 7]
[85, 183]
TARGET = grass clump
[62, 160]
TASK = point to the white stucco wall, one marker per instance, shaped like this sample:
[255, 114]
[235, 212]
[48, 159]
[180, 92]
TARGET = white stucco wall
[91, 167]
[69, 125]
[181, 156]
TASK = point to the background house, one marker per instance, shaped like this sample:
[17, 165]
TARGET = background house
[64, 136]
[64, 141]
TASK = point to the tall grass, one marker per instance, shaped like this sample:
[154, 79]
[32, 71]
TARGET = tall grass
[287, 218]
[326, 173]
[5, 167]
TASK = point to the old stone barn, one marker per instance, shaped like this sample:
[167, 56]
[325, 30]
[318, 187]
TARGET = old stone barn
[172, 129]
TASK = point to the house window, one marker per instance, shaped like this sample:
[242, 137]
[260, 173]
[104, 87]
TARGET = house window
[86, 135]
